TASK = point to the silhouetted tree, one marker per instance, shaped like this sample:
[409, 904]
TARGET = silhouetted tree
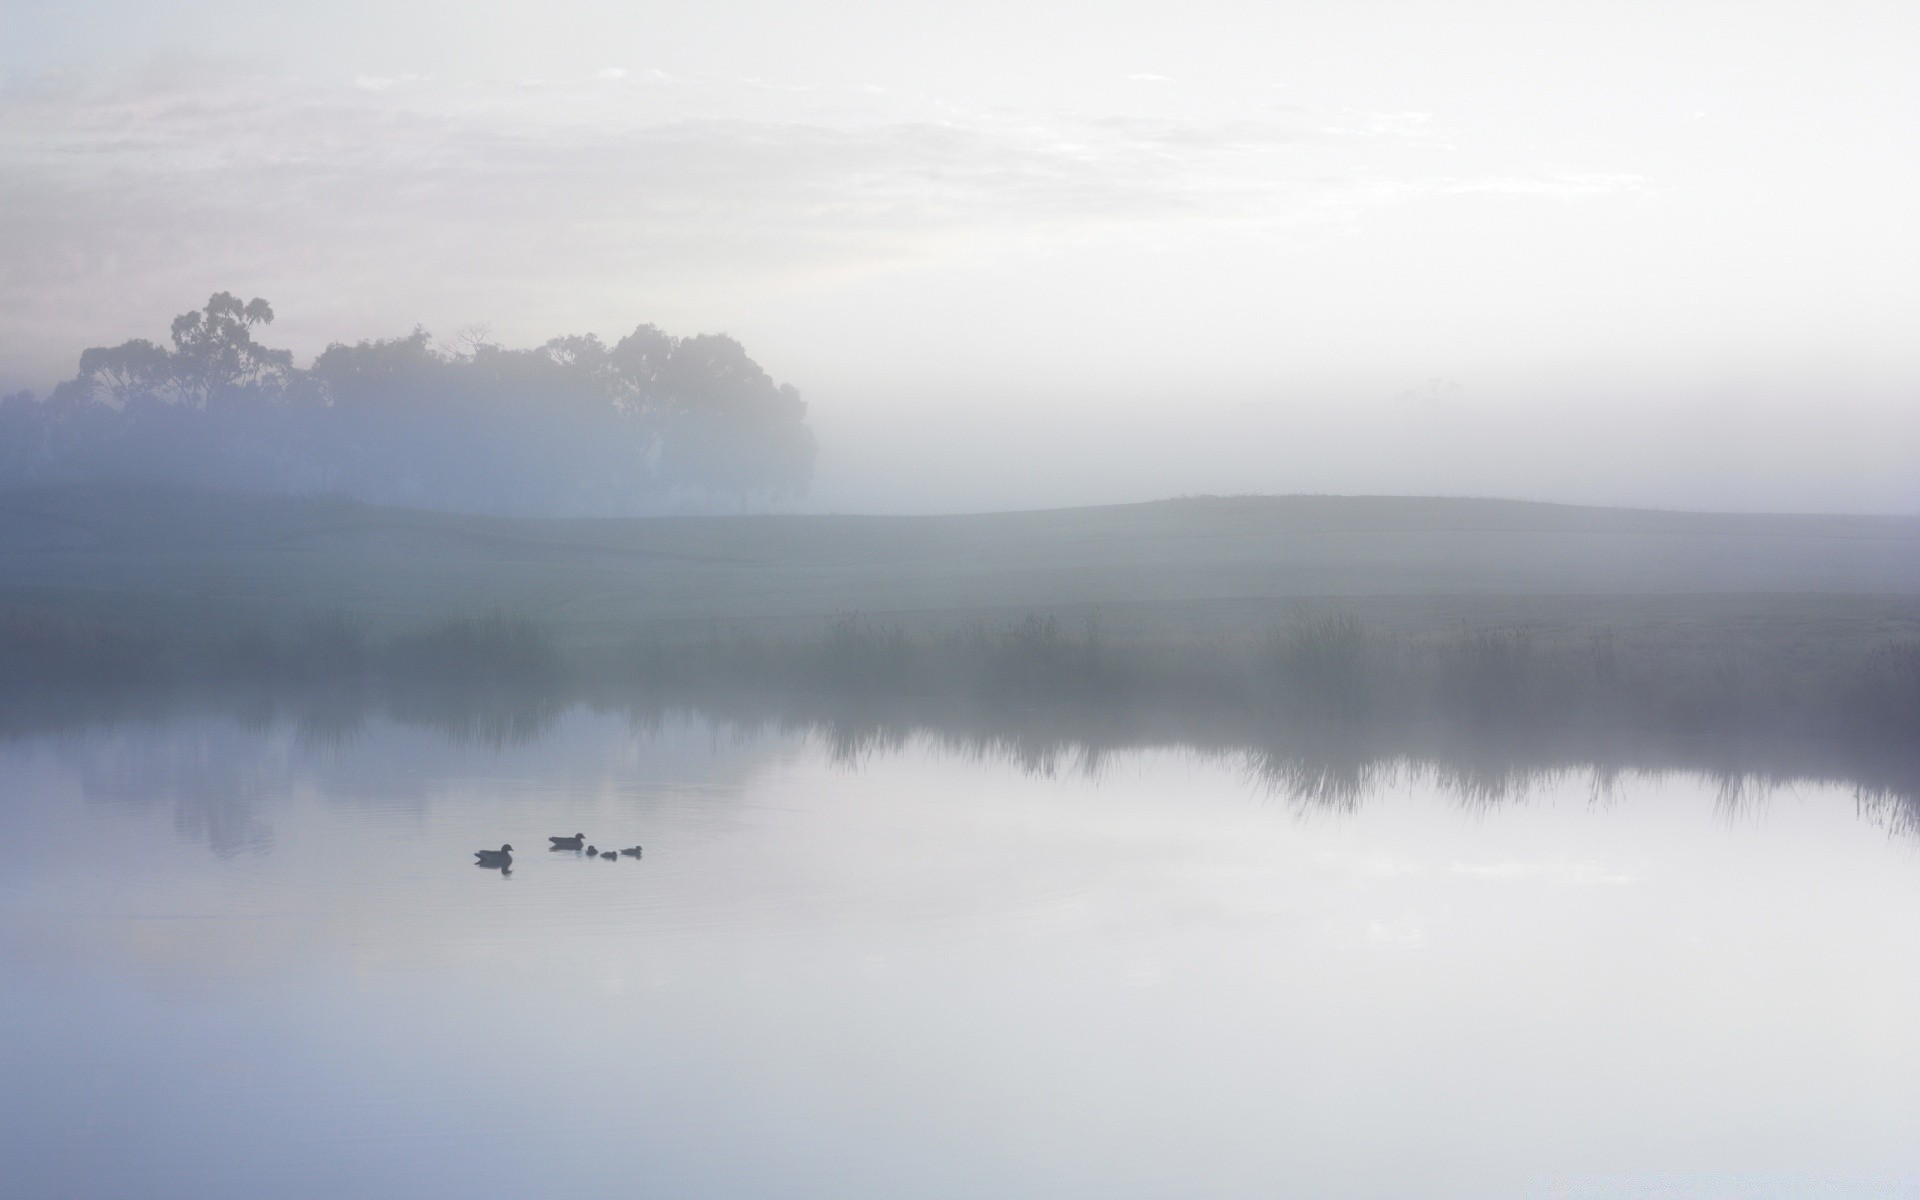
[215, 356]
[569, 426]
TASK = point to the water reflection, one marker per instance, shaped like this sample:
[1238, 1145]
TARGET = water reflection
[500, 860]
[892, 959]
[210, 764]
[209, 775]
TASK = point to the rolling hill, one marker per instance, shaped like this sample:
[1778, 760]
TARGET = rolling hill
[192, 562]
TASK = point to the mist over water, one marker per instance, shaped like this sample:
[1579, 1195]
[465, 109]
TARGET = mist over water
[916, 971]
[920, 599]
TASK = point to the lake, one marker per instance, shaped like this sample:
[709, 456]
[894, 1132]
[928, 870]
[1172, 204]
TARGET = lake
[247, 960]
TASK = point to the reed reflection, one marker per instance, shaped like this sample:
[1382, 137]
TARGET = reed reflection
[217, 761]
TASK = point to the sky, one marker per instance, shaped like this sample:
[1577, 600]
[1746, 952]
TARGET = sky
[1020, 254]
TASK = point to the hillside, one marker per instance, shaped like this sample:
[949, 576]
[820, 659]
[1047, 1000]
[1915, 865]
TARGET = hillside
[204, 561]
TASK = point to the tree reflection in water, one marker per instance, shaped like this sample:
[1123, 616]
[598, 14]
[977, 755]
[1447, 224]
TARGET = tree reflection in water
[215, 760]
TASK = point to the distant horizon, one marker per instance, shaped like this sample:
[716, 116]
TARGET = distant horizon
[137, 486]
[950, 455]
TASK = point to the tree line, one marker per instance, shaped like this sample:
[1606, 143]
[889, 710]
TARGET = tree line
[572, 426]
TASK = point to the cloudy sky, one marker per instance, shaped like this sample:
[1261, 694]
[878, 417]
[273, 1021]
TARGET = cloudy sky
[1026, 254]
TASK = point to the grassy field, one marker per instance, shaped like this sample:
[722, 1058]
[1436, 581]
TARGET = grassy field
[1325, 637]
[1198, 571]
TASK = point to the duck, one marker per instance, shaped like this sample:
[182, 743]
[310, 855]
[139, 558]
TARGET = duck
[592, 850]
[631, 852]
[608, 855]
[495, 858]
[569, 843]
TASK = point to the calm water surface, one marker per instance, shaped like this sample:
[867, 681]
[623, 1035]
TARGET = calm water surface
[237, 964]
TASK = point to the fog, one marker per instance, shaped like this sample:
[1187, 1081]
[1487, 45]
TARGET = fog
[1168, 589]
[1609, 254]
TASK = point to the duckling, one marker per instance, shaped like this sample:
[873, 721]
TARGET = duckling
[495, 858]
[608, 855]
[569, 843]
[592, 850]
[631, 852]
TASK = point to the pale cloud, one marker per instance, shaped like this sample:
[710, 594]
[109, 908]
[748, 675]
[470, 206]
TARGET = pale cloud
[1556, 185]
[1412, 127]
[384, 83]
[542, 204]
[1466, 198]
[644, 76]
[1401, 123]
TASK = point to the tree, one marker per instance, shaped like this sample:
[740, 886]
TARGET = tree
[214, 357]
[214, 354]
[119, 375]
[726, 425]
[570, 426]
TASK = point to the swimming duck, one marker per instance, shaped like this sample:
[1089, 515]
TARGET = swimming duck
[608, 855]
[569, 843]
[592, 850]
[495, 858]
[631, 852]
